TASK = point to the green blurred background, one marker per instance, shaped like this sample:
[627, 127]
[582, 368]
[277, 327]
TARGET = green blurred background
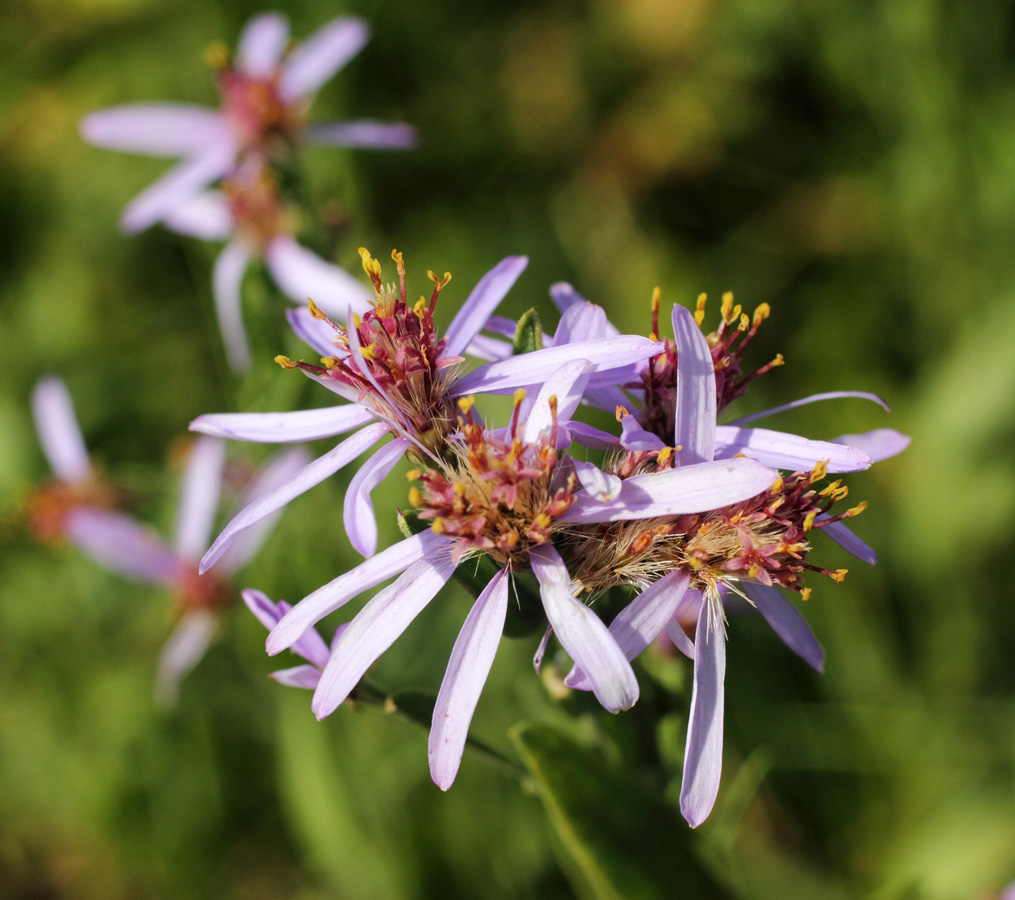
[850, 163]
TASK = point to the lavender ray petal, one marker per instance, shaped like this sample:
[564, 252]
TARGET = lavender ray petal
[679, 638]
[326, 51]
[564, 296]
[565, 385]
[365, 133]
[813, 398]
[484, 299]
[358, 509]
[307, 677]
[787, 622]
[537, 658]
[634, 437]
[534, 368]
[205, 216]
[845, 538]
[309, 476]
[313, 331]
[879, 444]
[782, 450]
[694, 433]
[199, 497]
[262, 43]
[155, 129]
[582, 633]
[57, 427]
[703, 754]
[389, 562]
[640, 622]
[582, 321]
[483, 347]
[284, 427]
[592, 437]
[377, 626]
[597, 483]
[311, 646]
[502, 325]
[179, 184]
[227, 280]
[303, 275]
[468, 668]
[181, 652]
[690, 489]
[279, 469]
[122, 545]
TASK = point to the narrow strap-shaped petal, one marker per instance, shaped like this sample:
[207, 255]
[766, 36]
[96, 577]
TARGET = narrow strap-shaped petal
[592, 437]
[313, 331]
[303, 275]
[199, 497]
[879, 444]
[597, 483]
[694, 432]
[581, 321]
[326, 51]
[787, 622]
[468, 668]
[262, 43]
[122, 545]
[679, 637]
[480, 304]
[365, 133]
[311, 646]
[690, 489]
[309, 476]
[703, 754]
[277, 470]
[640, 622]
[537, 657]
[155, 129]
[227, 281]
[582, 633]
[782, 450]
[336, 593]
[57, 427]
[181, 652]
[284, 427]
[634, 437]
[813, 398]
[534, 368]
[377, 626]
[560, 385]
[358, 509]
[205, 216]
[306, 677]
[178, 185]
[489, 348]
[845, 538]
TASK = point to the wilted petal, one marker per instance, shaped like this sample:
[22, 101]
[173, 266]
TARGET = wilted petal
[227, 279]
[845, 538]
[375, 135]
[57, 427]
[376, 627]
[155, 129]
[178, 185]
[199, 497]
[389, 562]
[463, 682]
[480, 304]
[597, 483]
[284, 427]
[690, 489]
[205, 216]
[582, 634]
[307, 677]
[813, 398]
[694, 437]
[122, 545]
[565, 385]
[703, 754]
[534, 368]
[262, 44]
[879, 444]
[358, 510]
[787, 451]
[640, 622]
[184, 650]
[316, 60]
[309, 476]
[303, 275]
[787, 622]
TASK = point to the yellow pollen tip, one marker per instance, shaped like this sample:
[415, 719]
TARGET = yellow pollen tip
[663, 456]
[805, 594]
[656, 297]
[699, 312]
[809, 520]
[622, 412]
[419, 307]
[369, 351]
[762, 312]
[285, 362]
[412, 474]
[438, 526]
[856, 510]
[727, 306]
[778, 361]
[415, 497]
[397, 257]
[330, 362]
[441, 283]
[315, 310]
[543, 520]
[217, 55]
[459, 489]
[777, 485]
[744, 322]
[519, 396]
[466, 403]
[820, 471]
[838, 575]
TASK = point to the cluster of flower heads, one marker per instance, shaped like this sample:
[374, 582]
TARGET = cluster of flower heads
[679, 510]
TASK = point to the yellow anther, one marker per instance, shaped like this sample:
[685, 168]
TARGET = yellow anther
[777, 485]
[805, 594]
[519, 396]
[699, 313]
[372, 267]
[441, 283]
[356, 320]
[831, 488]
[778, 361]
[820, 471]
[399, 264]
[466, 403]
[412, 474]
[419, 307]
[838, 575]
[369, 351]
[856, 510]
[315, 310]
[330, 362]
[663, 456]
[217, 55]
[753, 570]
[415, 497]
[542, 520]
[809, 520]
[727, 306]
[744, 322]
[438, 526]
[285, 362]
[762, 312]
[459, 489]
[622, 413]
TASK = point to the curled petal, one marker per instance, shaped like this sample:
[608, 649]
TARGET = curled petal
[814, 398]
[284, 427]
[358, 511]
[325, 52]
[155, 129]
[480, 304]
[303, 275]
[375, 135]
[262, 44]
[463, 682]
[199, 497]
[376, 627]
[597, 483]
[879, 444]
[227, 280]
[57, 427]
[184, 650]
[787, 622]
[694, 437]
[787, 451]
[122, 545]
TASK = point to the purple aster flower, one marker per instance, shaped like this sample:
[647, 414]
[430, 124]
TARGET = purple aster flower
[249, 214]
[265, 97]
[505, 494]
[401, 379]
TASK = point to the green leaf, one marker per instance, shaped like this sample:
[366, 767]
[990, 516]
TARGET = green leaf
[620, 840]
[529, 334]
